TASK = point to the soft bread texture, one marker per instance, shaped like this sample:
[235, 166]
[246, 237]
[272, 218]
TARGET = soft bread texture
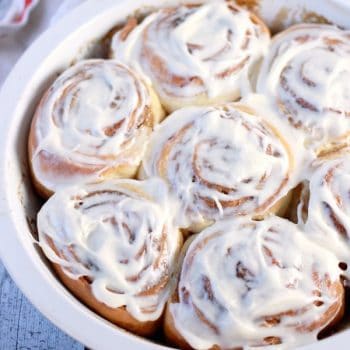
[305, 76]
[157, 45]
[62, 144]
[113, 245]
[206, 156]
[159, 85]
[322, 206]
[119, 316]
[81, 289]
[326, 289]
[174, 337]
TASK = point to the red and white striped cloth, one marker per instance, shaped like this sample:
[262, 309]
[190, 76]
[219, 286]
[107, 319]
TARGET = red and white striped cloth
[14, 43]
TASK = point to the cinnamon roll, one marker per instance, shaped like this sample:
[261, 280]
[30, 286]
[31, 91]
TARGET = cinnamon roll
[218, 162]
[195, 54]
[324, 207]
[306, 76]
[93, 123]
[114, 246]
[249, 283]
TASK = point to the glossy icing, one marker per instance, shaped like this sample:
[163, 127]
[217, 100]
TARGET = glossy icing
[95, 118]
[306, 75]
[324, 209]
[219, 161]
[250, 283]
[119, 235]
[195, 50]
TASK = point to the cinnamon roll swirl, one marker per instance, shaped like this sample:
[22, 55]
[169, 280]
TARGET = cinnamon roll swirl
[195, 54]
[219, 161]
[306, 76]
[249, 284]
[114, 246]
[324, 207]
[93, 123]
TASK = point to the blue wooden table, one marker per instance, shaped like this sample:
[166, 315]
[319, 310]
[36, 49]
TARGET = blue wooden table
[22, 327]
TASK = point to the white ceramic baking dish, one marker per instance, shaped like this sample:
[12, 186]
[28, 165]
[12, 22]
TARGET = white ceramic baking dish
[49, 55]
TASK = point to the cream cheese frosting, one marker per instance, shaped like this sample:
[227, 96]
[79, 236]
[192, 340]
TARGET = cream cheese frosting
[243, 283]
[191, 50]
[219, 161]
[94, 118]
[324, 209]
[281, 14]
[119, 234]
[249, 283]
[306, 74]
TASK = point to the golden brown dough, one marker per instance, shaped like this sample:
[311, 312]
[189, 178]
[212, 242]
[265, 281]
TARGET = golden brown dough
[91, 125]
[176, 49]
[223, 276]
[114, 246]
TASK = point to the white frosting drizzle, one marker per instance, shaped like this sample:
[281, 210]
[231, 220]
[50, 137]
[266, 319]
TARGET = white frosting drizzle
[303, 154]
[281, 14]
[252, 283]
[191, 50]
[306, 74]
[327, 207]
[119, 235]
[219, 161]
[96, 116]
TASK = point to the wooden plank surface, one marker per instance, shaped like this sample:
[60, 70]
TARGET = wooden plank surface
[22, 327]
